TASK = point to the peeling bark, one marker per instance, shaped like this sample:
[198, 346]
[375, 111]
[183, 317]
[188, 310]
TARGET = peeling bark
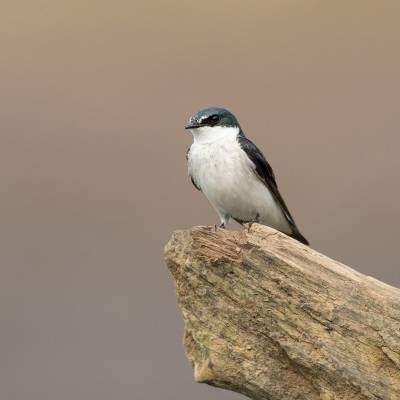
[272, 319]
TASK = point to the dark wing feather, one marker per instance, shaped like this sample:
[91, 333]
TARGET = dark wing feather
[266, 174]
[191, 177]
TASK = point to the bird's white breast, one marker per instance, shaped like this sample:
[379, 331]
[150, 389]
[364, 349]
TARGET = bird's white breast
[217, 162]
[226, 176]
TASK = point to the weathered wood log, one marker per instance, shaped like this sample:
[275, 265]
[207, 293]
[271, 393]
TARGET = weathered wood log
[272, 319]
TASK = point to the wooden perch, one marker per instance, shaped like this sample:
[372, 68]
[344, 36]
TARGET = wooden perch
[272, 319]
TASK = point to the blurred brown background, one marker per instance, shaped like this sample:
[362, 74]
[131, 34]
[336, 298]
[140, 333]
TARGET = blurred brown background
[94, 96]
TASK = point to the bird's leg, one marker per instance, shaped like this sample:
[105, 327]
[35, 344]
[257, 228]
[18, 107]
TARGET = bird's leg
[256, 219]
[224, 219]
[221, 225]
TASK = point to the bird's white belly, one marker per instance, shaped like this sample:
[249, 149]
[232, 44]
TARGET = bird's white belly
[226, 177]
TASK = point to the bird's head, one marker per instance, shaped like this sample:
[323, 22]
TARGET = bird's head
[212, 123]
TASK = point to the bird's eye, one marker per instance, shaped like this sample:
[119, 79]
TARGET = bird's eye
[214, 118]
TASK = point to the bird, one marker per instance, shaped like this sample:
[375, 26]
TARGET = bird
[233, 174]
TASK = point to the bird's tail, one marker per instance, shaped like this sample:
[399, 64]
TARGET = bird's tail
[298, 236]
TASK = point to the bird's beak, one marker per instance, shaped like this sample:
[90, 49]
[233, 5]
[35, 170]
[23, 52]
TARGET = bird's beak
[193, 125]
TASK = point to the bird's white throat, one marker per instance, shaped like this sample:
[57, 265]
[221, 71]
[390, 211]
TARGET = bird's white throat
[209, 134]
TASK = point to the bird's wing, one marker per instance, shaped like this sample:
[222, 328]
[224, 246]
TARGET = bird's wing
[191, 177]
[265, 173]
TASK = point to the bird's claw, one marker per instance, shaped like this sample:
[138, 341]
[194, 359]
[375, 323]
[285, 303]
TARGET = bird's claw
[221, 225]
[256, 220]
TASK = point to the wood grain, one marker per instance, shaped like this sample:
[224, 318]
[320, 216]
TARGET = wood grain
[272, 319]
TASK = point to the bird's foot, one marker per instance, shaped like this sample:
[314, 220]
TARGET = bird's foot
[221, 225]
[256, 220]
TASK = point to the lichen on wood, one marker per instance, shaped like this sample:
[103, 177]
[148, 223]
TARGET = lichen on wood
[272, 319]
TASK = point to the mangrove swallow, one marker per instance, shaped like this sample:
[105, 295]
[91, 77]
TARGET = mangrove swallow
[234, 175]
